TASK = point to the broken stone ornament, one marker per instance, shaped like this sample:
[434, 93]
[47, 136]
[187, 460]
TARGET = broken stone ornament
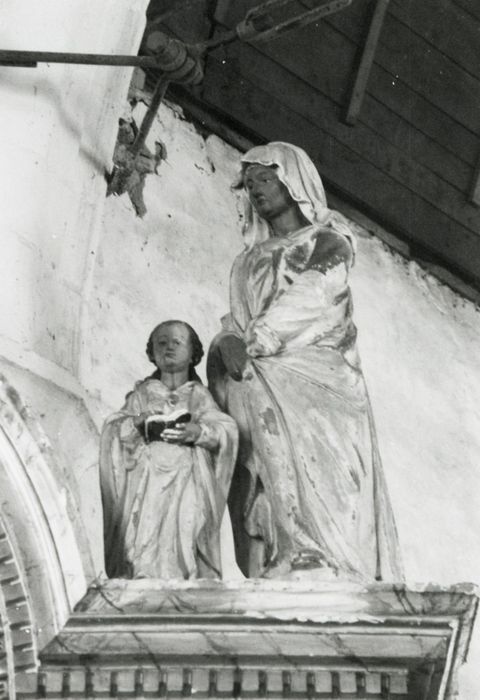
[131, 168]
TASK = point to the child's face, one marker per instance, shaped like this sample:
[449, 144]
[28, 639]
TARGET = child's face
[172, 349]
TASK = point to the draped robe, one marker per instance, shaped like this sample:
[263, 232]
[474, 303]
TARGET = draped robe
[313, 487]
[163, 503]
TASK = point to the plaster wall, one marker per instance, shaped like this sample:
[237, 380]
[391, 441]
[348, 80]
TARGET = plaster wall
[59, 125]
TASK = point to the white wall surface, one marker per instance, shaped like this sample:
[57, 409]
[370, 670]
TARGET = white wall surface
[91, 279]
[59, 126]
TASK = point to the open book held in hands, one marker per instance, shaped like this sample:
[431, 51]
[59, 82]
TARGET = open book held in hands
[156, 424]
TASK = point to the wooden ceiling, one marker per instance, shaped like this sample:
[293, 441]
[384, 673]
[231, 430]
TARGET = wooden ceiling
[411, 159]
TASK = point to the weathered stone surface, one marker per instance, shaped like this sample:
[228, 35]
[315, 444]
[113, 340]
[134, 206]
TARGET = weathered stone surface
[89, 278]
[206, 637]
[296, 599]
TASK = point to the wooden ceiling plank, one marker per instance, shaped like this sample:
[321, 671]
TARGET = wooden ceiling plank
[423, 68]
[336, 51]
[363, 183]
[366, 62]
[222, 14]
[395, 113]
[425, 150]
[231, 12]
[254, 69]
[474, 195]
[470, 6]
[306, 51]
[445, 26]
[422, 115]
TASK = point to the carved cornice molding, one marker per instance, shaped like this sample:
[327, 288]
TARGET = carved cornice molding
[221, 682]
[261, 639]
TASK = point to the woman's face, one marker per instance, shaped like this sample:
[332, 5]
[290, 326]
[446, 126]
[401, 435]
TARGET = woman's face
[172, 348]
[267, 194]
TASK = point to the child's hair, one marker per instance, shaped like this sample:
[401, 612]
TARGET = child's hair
[197, 347]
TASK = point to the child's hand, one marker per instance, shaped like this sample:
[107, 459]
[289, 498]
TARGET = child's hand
[183, 434]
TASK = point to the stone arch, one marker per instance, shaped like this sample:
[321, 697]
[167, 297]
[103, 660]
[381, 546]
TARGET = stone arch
[18, 642]
[45, 563]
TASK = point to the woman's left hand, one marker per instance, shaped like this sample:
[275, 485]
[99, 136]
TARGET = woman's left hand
[183, 434]
[262, 340]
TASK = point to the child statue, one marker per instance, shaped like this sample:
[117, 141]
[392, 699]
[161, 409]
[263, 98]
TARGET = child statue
[166, 462]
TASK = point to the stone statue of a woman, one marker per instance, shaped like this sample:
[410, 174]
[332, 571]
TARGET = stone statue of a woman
[309, 490]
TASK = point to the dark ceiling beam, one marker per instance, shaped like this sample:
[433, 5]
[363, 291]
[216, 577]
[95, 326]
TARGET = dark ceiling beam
[475, 188]
[366, 62]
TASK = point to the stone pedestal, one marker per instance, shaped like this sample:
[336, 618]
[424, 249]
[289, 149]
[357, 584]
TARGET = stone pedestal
[259, 639]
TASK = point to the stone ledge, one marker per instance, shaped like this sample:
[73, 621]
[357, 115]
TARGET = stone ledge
[261, 639]
[298, 599]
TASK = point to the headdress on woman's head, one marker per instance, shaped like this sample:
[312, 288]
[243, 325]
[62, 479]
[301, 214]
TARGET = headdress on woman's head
[300, 176]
